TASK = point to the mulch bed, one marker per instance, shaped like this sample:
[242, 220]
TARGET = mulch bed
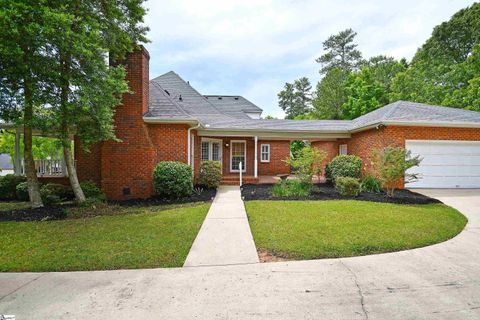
[57, 212]
[326, 191]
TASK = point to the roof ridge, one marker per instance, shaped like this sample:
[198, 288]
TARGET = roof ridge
[162, 90]
[394, 107]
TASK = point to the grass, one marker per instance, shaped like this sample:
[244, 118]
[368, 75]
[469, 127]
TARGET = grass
[13, 205]
[327, 229]
[152, 237]
[290, 188]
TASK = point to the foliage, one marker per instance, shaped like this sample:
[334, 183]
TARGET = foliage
[329, 229]
[173, 179]
[55, 193]
[344, 166]
[308, 162]
[330, 95]
[370, 183]
[369, 88]
[42, 147]
[439, 70]
[22, 191]
[8, 186]
[92, 191]
[341, 52]
[391, 164]
[295, 99]
[296, 146]
[347, 186]
[210, 173]
[291, 188]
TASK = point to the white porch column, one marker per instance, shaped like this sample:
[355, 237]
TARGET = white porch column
[18, 157]
[256, 158]
[193, 154]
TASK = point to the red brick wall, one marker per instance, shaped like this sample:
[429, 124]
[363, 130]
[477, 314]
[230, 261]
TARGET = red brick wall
[279, 151]
[363, 143]
[88, 163]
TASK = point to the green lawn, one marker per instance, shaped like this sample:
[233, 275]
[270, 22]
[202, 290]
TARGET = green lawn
[324, 229]
[138, 238]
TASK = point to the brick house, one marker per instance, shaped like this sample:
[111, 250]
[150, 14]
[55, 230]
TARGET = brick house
[167, 119]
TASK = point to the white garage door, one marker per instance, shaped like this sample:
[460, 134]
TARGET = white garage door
[446, 164]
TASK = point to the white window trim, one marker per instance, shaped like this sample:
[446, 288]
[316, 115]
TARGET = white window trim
[340, 148]
[244, 165]
[210, 149]
[261, 152]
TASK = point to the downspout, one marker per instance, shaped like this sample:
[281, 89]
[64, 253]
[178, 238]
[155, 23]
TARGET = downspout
[189, 147]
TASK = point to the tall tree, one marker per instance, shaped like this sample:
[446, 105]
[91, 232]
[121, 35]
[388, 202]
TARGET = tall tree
[436, 70]
[295, 99]
[330, 95]
[341, 52]
[369, 88]
[24, 72]
[87, 87]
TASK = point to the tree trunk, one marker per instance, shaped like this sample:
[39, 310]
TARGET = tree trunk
[65, 60]
[72, 171]
[30, 172]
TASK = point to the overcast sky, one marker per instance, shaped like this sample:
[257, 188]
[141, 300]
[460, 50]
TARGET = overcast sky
[252, 47]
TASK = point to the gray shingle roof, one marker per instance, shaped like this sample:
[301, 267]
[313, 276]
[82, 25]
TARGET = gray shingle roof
[173, 98]
[236, 106]
[405, 111]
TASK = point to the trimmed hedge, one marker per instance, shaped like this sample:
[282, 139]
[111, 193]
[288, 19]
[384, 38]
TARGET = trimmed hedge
[347, 186]
[54, 193]
[370, 184]
[211, 173]
[173, 179]
[8, 186]
[344, 166]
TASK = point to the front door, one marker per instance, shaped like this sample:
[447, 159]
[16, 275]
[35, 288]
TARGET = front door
[238, 153]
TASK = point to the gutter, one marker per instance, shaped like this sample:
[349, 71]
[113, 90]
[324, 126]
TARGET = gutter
[189, 147]
[445, 124]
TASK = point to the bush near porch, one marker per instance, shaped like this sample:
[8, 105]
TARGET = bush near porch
[328, 229]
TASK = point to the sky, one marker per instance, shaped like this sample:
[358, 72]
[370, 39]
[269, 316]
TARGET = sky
[252, 47]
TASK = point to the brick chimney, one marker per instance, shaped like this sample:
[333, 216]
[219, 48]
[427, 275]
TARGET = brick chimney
[127, 166]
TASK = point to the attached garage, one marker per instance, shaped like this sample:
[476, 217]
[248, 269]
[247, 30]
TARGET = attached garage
[446, 163]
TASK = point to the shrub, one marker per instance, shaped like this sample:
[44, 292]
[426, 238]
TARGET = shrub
[291, 188]
[210, 173]
[307, 162]
[344, 166]
[173, 179]
[92, 191]
[391, 164]
[370, 184]
[54, 193]
[22, 191]
[347, 186]
[8, 186]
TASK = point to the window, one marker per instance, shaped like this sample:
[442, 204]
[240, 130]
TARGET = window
[205, 150]
[265, 153]
[211, 150]
[238, 153]
[342, 149]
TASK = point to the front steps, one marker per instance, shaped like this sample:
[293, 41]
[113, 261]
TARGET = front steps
[234, 180]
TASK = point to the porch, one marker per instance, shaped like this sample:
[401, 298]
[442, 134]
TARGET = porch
[251, 159]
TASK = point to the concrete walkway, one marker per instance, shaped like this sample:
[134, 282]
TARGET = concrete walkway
[225, 237]
[436, 282]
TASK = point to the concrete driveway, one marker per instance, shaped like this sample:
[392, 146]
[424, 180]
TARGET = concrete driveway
[436, 282]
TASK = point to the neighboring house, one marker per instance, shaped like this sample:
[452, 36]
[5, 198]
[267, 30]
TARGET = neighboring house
[167, 119]
[6, 165]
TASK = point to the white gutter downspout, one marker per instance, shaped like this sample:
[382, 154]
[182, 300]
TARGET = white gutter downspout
[189, 143]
